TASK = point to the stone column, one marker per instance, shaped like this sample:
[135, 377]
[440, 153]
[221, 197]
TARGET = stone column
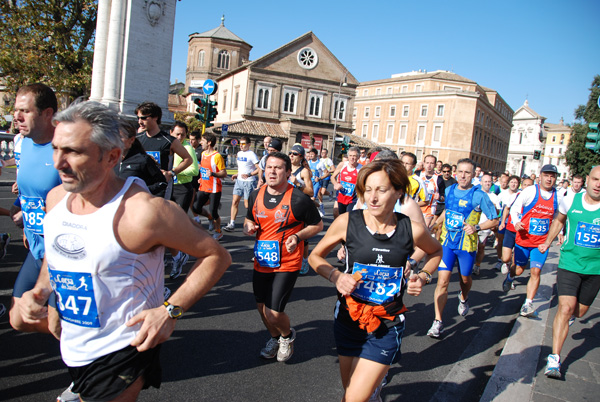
[100, 50]
[114, 54]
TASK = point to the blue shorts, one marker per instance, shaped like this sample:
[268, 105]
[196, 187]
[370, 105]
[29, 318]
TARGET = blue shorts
[466, 260]
[509, 239]
[503, 231]
[28, 276]
[244, 188]
[531, 254]
[384, 349]
[316, 187]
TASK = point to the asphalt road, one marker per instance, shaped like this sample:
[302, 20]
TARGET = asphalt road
[213, 353]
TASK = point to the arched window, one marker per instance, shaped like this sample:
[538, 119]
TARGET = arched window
[201, 58]
[223, 60]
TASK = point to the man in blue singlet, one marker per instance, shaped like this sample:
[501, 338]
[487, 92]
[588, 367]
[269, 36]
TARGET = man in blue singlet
[35, 106]
[464, 205]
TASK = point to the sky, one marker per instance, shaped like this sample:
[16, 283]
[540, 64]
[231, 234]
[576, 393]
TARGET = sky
[547, 52]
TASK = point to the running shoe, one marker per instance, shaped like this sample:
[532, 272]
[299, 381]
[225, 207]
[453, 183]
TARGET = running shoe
[305, 267]
[508, 283]
[495, 243]
[230, 227]
[322, 210]
[178, 264]
[211, 226]
[270, 350]
[463, 306]
[571, 320]
[286, 347]
[553, 366]
[504, 269]
[498, 265]
[218, 236]
[476, 270]
[4, 240]
[68, 395]
[167, 293]
[436, 329]
[527, 310]
[2, 309]
[376, 396]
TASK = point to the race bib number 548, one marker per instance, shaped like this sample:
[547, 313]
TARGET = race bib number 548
[75, 297]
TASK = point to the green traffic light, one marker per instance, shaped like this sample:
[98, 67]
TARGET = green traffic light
[594, 136]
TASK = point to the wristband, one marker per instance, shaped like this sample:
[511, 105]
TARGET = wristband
[331, 273]
[427, 276]
[297, 238]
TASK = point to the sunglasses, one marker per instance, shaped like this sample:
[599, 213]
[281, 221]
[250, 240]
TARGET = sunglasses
[243, 143]
[294, 153]
[144, 118]
[445, 171]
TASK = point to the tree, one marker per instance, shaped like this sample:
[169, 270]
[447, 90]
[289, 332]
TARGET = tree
[49, 41]
[579, 158]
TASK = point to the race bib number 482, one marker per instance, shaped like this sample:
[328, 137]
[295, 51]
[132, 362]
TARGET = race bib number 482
[379, 284]
[75, 297]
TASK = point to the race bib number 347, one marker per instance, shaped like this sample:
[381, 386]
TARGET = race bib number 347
[75, 297]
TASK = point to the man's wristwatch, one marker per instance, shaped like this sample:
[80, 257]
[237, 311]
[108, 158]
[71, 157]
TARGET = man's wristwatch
[174, 311]
[477, 228]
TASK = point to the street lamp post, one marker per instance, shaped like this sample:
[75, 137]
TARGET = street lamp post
[343, 83]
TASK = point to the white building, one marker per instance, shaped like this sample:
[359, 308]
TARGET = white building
[526, 137]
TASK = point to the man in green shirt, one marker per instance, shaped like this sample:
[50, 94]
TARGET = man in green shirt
[578, 275]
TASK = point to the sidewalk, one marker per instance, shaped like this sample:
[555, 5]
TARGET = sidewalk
[519, 374]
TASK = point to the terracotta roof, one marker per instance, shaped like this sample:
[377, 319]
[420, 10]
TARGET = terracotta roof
[255, 128]
[357, 141]
[219, 32]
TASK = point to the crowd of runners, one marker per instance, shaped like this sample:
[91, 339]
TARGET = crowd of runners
[105, 209]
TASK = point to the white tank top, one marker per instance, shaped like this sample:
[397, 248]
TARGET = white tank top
[99, 285]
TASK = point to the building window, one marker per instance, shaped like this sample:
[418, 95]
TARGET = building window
[418, 88]
[365, 92]
[421, 133]
[365, 128]
[339, 108]
[375, 132]
[315, 104]
[403, 129]
[392, 111]
[404, 89]
[290, 99]
[562, 139]
[263, 98]
[440, 111]
[553, 139]
[377, 111]
[201, 58]
[389, 90]
[354, 112]
[405, 110]
[223, 60]
[389, 135]
[437, 134]
[551, 151]
[423, 110]
[224, 102]
[308, 58]
[435, 153]
[378, 91]
[236, 98]
[419, 154]
[367, 112]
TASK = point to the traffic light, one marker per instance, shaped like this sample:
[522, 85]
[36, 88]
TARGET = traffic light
[212, 113]
[594, 136]
[201, 109]
[344, 150]
[537, 155]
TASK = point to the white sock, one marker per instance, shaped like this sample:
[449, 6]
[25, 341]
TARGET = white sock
[528, 301]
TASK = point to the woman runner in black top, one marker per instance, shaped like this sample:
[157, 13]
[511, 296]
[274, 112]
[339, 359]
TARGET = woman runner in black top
[369, 319]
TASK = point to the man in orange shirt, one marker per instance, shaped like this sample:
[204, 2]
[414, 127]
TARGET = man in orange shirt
[281, 217]
[212, 170]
